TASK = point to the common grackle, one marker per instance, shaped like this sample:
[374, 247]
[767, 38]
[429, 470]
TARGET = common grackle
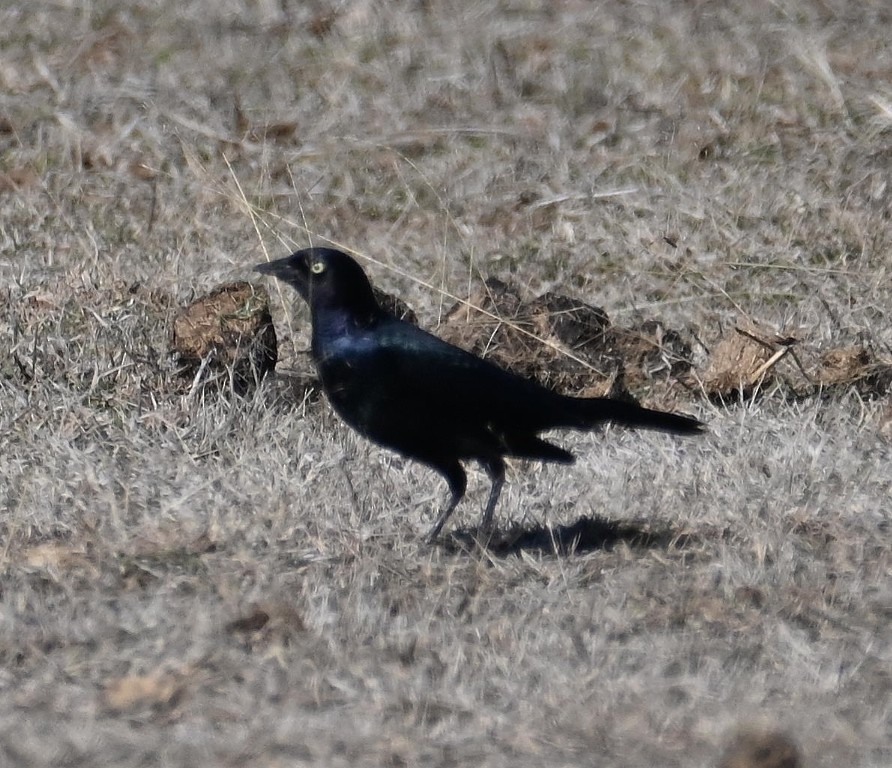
[428, 400]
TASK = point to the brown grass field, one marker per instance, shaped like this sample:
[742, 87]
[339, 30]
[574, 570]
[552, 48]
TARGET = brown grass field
[194, 578]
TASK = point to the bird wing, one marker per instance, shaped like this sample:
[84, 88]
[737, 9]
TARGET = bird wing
[425, 369]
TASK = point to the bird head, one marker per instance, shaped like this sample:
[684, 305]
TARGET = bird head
[327, 279]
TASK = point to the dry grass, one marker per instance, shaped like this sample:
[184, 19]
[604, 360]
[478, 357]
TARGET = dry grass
[187, 579]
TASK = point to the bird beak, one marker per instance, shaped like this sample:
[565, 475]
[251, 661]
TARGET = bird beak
[291, 270]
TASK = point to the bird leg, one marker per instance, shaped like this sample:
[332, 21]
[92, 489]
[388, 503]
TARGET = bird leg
[458, 482]
[495, 468]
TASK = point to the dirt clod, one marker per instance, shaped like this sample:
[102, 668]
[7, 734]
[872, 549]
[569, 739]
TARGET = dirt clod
[754, 748]
[229, 329]
[568, 345]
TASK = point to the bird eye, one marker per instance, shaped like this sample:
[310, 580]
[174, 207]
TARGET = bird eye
[317, 267]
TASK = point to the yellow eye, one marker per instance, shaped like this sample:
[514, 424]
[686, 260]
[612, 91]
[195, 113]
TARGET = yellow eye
[317, 267]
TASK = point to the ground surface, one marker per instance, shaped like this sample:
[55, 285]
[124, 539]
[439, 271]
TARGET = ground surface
[191, 579]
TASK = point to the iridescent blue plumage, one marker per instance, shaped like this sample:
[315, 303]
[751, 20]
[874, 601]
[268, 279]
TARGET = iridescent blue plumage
[407, 390]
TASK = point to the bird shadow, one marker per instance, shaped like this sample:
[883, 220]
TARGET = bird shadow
[587, 534]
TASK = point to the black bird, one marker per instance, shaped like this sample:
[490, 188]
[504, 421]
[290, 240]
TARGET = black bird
[428, 400]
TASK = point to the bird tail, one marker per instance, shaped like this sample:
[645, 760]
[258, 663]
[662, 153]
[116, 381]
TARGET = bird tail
[590, 412]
